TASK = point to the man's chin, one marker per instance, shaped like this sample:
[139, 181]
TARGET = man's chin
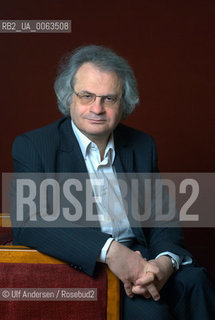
[97, 134]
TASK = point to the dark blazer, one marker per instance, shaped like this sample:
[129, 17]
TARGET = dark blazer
[54, 148]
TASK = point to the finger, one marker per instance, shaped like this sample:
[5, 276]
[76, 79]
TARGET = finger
[128, 289]
[143, 291]
[150, 267]
[146, 279]
[153, 292]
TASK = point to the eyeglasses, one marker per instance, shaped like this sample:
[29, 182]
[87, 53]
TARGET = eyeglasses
[86, 97]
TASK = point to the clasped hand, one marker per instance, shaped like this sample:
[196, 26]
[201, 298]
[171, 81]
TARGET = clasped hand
[138, 275]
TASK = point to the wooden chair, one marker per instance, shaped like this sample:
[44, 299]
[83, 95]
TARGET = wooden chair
[22, 267]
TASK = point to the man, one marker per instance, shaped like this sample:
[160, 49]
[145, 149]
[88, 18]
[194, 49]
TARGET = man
[96, 89]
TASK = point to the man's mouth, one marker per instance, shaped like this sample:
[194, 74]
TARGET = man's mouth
[95, 119]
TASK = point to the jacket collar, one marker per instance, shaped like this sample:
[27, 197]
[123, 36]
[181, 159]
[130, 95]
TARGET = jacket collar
[124, 151]
[70, 158]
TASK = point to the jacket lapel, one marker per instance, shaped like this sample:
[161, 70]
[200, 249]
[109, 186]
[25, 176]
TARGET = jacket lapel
[69, 158]
[124, 153]
[124, 164]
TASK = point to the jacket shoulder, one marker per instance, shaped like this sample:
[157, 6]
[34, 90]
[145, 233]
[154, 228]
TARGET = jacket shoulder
[141, 144]
[36, 146]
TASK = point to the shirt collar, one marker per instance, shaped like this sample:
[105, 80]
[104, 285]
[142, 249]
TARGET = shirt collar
[85, 143]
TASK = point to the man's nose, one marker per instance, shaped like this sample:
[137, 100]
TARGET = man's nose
[97, 106]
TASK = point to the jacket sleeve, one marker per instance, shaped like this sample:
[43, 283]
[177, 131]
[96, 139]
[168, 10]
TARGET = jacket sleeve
[79, 247]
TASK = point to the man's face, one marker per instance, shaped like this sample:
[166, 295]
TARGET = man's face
[98, 119]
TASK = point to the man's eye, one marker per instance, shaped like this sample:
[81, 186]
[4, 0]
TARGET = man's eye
[86, 96]
[110, 99]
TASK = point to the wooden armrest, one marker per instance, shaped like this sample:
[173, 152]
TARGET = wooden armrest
[21, 254]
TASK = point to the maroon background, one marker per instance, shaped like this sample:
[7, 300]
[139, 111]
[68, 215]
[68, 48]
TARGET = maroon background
[170, 45]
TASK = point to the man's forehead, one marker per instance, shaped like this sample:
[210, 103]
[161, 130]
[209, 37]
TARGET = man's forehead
[89, 71]
[90, 67]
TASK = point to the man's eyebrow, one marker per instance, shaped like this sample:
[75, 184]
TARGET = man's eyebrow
[103, 95]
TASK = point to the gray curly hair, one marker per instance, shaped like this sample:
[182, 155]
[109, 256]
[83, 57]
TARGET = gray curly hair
[105, 59]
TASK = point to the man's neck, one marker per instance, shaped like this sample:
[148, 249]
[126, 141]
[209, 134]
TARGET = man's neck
[101, 143]
[100, 140]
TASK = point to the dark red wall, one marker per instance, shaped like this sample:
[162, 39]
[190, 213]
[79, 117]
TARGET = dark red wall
[170, 45]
